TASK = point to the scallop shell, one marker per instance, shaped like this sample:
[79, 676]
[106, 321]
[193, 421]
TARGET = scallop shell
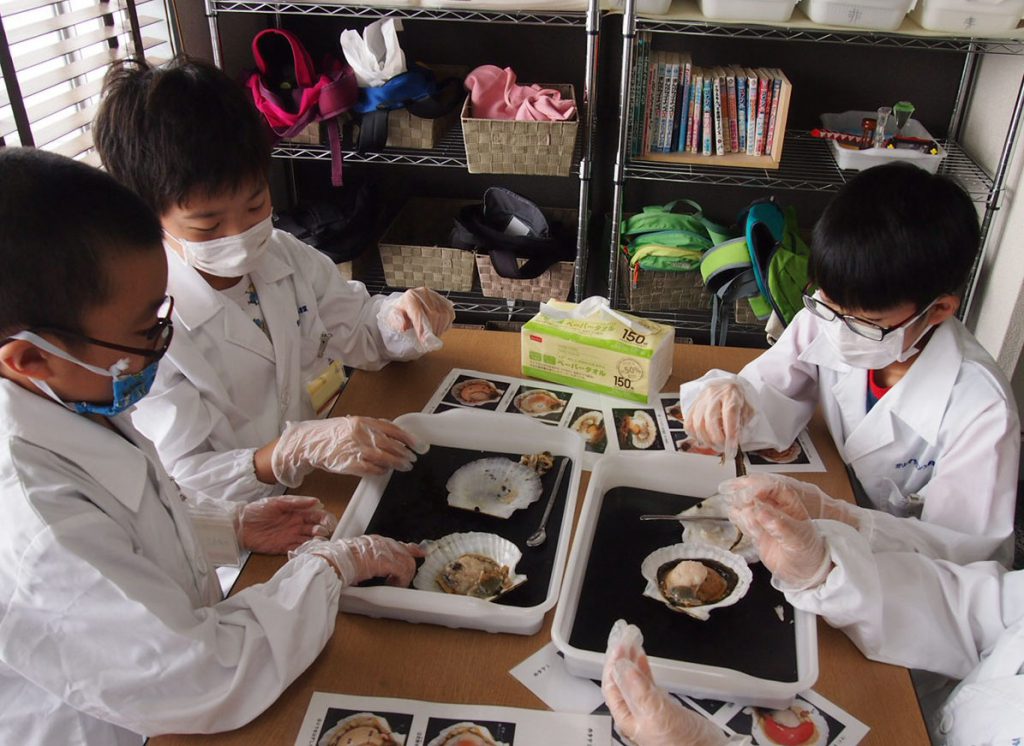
[538, 403]
[333, 737]
[801, 711]
[654, 561]
[475, 392]
[646, 431]
[465, 734]
[717, 534]
[495, 486]
[675, 412]
[591, 426]
[449, 548]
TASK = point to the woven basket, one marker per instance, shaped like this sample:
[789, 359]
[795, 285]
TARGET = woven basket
[505, 146]
[416, 133]
[414, 251]
[309, 136]
[663, 291]
[556, 282]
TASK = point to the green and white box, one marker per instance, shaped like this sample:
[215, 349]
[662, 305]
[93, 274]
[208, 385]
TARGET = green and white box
[591, 346]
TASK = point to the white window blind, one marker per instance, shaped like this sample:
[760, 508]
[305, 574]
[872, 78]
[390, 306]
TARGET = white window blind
[52, 59]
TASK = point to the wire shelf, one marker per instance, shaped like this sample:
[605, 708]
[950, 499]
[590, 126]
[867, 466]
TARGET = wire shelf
[687, 19]
[450, 153]
[807, 165]
[530, 18]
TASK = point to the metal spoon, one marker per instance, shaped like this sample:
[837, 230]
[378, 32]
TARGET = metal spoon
[540, 535]
[683, 518]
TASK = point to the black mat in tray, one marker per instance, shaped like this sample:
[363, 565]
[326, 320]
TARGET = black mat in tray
[415, 507]
[747, 637]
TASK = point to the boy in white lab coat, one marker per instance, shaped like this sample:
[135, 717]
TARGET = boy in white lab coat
[112, 625]
[964, 622]
[919, 412]
[265, 322]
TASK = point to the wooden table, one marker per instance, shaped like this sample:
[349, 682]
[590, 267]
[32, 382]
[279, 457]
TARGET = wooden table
[387, 658]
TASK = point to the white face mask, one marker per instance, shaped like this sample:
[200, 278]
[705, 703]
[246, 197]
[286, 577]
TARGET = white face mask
[231, 256]
[861, 352]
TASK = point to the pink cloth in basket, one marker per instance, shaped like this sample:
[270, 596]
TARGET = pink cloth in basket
[494, 94]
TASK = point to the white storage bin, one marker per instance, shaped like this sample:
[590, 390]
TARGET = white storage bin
[511, 433]
[860, 160]
[645, 7]
[748, 10]
[974, 17]
[884, 15]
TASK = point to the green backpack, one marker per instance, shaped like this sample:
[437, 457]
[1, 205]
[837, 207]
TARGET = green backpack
[768, 264]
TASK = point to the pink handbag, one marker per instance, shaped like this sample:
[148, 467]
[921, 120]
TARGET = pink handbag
[291, 94]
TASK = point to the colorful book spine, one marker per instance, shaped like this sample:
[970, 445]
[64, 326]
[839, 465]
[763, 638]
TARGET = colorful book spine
[636, 97]
[751, 111]
[720, 125]
[707, 122]
[671, 102]
[734, 117]
[741, 109]
[762, 109]
[685, 106]
[645, 146]
[696, 110]
[776, 95]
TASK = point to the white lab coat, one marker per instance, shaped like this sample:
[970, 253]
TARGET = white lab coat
[947, 434]
[223, 391]
[111, 623]
[966, 622]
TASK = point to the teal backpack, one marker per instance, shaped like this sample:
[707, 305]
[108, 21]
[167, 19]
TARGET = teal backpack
[767, 265]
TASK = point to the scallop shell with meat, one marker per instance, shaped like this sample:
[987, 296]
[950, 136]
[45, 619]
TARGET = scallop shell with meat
[475, 564]
[475, 392]
[695, 579]
[640, 429]
[538, 403]
[362, 729]
[495, 486]
[465, 734]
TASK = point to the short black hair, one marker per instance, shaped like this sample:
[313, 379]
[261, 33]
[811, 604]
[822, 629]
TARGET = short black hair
[168, 132]
[895, 234]
[62, 222]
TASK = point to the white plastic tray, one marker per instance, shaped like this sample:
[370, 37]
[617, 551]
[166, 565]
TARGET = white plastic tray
[860, 160]
[883, 15]
[748, 10]
[974, 17]
[679, 474]
[476, 431]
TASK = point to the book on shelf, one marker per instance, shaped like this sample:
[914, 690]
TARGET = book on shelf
[752, 89]
[773, 116]
[741, 108]
[707, 114]
[763, 102]
[684, 106]
[733, 114]
[720, 124]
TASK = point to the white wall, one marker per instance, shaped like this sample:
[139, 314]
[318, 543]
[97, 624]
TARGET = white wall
[997, 315]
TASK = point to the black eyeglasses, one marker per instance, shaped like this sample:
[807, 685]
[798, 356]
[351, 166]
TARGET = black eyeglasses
[859, 326]
[160, 334]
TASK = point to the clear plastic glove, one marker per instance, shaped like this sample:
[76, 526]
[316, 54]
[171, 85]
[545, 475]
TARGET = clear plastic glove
[363, 557]
[362, 446]
[644, 713]
[274, 525]
[792, 548]
[426, 313]
[717, 416]
[799, 500]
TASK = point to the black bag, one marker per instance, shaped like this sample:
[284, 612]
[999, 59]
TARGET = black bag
[509, 227]
[341, 229]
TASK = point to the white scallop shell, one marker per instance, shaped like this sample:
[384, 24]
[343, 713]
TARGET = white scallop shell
[648, 430]
[717, 534]
[381, 723]
[496, 486]
[593, 421]
[445, 736]
[785, 456]
[451, 547]
[533, 402]
[657, 558]
[821, 735]
[457, 392]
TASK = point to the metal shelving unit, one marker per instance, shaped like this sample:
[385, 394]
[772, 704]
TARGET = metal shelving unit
[807, 163]
[451, 152]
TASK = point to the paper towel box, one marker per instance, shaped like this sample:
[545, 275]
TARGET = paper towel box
[591, 346]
